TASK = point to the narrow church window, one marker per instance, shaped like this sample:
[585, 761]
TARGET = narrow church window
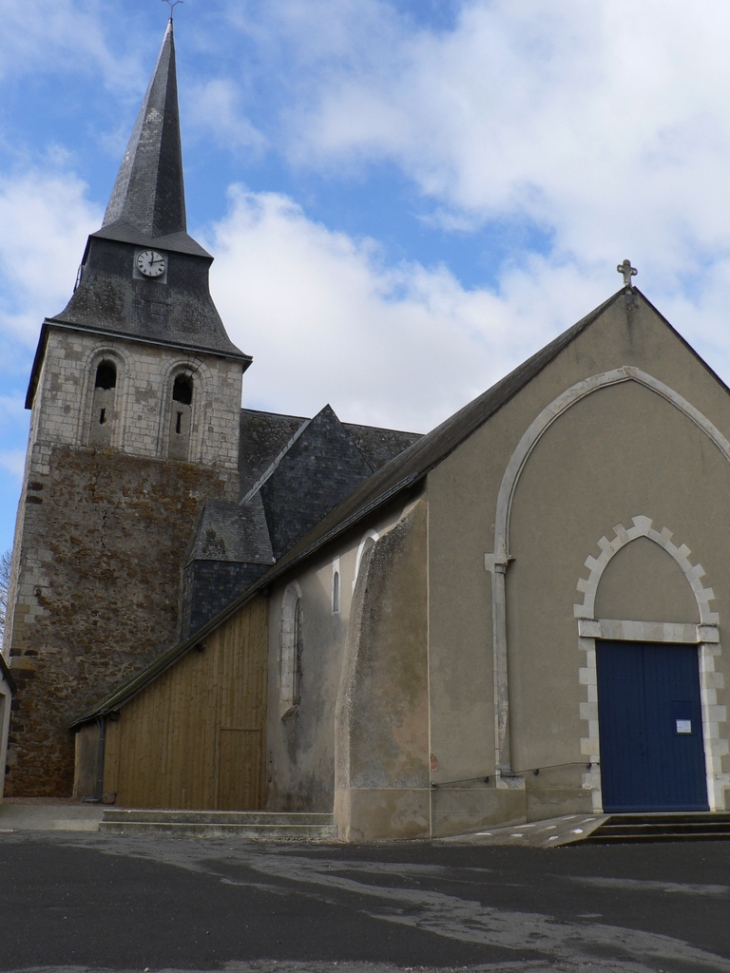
[181, 418]
[292, 650]
[336, 587]
[298, 650]
[102, 406]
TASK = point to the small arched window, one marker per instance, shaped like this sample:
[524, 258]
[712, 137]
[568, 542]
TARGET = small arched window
[292, 649]
[298, 652]
[336, 587]
[102, 404]
[181, 417]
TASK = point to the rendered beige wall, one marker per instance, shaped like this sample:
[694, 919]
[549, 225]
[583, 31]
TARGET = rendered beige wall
[621, 452]
[644, 583]
[662, 467]
[381, 722]
[300, 743]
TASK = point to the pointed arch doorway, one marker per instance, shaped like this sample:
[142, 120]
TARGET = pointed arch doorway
[654, 727]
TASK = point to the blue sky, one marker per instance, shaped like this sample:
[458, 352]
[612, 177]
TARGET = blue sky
[405, 197]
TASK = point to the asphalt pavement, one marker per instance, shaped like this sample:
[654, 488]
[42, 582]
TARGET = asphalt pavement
[95, 902]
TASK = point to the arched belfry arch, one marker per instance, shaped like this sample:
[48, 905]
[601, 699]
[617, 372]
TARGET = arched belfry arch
[499, 560]
[706, 635]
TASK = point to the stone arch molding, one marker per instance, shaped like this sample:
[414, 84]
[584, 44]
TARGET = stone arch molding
[706, 636]
[540, 425]
[202, 383]
[99, 352]
[643, 527]
[290, 605]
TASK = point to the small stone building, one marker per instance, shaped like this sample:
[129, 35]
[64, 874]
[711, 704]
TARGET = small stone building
[520, 616]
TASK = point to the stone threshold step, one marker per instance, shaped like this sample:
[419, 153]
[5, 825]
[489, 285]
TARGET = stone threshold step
[666, 828]
[219, 817]
[670, 817]
[268, 832]
[223, 831]
[597, 838]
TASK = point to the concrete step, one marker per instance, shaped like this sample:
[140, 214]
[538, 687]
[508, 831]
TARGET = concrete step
[683, 826]
[261, 825]
[217, 817]
[261, 833]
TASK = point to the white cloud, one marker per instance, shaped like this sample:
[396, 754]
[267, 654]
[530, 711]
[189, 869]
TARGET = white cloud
[327, 320]
[71, 35]
[214, 106]
[606, 124]
[44, 221]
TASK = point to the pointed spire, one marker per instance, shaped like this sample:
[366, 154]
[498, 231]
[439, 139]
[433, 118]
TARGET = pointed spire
[149, 193]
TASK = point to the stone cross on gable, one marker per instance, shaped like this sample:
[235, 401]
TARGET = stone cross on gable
[628, 271]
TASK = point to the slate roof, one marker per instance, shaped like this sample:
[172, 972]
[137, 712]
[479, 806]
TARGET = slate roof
[293, 472]
[263, 436]
[232, 532]
[149, 192]
[147, 209]
[380, 446]
[318, 467]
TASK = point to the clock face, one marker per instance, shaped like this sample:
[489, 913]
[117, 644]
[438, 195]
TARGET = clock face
[151, 263]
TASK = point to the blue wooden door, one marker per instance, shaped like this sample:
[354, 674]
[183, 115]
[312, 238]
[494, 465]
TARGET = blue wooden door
[650, 726]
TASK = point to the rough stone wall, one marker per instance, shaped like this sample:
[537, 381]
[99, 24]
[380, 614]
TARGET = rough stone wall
[103, 534]
[143, 397]
[105, 539]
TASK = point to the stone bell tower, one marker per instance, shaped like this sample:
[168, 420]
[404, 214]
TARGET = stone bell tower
[135, 395]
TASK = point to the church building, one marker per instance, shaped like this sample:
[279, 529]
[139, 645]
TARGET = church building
[516, 616]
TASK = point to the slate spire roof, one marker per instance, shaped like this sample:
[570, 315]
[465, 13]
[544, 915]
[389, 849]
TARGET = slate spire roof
[149, 193]
[147, 209]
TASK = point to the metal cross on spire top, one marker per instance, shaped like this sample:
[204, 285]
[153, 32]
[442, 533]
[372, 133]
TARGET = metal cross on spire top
[172, 4]
[628, 271]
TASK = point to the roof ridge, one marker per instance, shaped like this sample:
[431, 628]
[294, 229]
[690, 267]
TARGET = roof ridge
[271, 469]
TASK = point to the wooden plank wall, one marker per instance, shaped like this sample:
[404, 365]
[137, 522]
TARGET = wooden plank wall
[195, 737]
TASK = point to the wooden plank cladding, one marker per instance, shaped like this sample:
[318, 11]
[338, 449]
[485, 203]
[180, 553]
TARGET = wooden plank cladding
[195, 736]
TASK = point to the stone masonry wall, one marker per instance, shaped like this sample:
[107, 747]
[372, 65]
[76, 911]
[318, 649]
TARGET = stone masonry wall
[103, 533]
[105, 539]
[142, 399]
